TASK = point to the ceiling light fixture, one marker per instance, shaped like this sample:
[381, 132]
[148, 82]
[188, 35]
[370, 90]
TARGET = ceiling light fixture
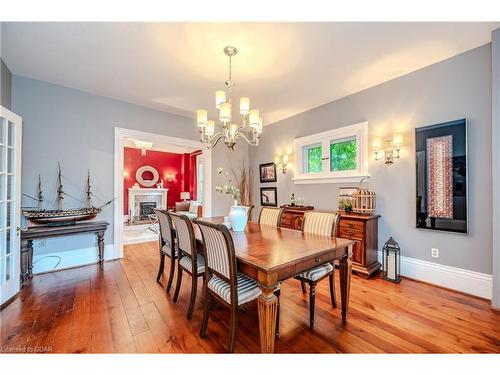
[251, 127]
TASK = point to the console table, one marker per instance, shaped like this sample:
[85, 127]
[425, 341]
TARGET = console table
[48, 231]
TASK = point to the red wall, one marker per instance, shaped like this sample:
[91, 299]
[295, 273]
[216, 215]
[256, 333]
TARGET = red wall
[180, 165]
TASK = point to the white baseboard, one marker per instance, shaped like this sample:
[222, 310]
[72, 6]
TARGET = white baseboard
[471, 282]
[69, 259]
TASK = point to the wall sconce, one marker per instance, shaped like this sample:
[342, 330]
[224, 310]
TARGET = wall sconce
[282, 162]
[391, 149]
[170, 177]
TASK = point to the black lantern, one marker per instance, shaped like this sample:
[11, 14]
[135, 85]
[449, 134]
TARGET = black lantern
[392, 261]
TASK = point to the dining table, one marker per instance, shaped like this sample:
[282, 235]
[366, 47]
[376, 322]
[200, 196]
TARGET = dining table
[271, 255]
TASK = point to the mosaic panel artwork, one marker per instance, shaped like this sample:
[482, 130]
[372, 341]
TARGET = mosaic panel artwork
[440, 177]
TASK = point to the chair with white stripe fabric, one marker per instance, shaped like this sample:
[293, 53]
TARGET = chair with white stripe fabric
[270, 216]
[167, 245]
[325, 224]
[222, 281]
[189, 260]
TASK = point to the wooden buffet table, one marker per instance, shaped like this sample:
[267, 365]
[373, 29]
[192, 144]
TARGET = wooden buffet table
[271, 255]
[360, 228]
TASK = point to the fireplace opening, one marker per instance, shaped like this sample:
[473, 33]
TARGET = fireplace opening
[146, 209]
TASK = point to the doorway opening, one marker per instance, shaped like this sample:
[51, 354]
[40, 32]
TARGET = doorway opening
[155, 171]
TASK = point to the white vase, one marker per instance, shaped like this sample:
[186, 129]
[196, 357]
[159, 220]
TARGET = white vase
[238, 218]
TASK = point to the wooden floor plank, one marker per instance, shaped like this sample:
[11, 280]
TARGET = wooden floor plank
[123, 309]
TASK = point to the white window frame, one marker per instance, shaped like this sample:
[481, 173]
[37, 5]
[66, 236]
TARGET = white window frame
[359, 131]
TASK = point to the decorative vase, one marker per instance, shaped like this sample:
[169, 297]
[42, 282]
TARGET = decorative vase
[238, 218]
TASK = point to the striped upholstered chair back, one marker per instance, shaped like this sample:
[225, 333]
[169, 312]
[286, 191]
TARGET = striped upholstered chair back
[270, 216]
[324, 223]
[166, 230]
[220, 258]
[185, 234]
[249, 211]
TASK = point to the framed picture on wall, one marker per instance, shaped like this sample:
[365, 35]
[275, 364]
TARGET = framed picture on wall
[268, 196]
[441, 176]
[267, 172]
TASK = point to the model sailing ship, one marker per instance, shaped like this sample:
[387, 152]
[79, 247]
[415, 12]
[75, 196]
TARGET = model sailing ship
[61, 216]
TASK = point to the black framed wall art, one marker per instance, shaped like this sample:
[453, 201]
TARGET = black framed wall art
[441, 176]
[268, 196]
[267, 172]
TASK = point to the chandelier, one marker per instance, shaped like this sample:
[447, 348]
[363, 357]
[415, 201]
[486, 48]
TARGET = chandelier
[251, 122]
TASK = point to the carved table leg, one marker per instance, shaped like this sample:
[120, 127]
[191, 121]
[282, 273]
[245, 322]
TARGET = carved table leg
[24, 261]
[30, 258]
[345, 267]
[100, 246]
[268, 307]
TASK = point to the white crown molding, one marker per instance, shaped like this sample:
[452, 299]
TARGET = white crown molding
[466, 281]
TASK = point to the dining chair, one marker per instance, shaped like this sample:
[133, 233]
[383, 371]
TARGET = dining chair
[270, 216]
[325, 224]
[223, 282]
[167, 245]
[249, 211]
[189, 260]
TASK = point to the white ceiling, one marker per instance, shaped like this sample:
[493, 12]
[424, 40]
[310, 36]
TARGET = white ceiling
[285, 68]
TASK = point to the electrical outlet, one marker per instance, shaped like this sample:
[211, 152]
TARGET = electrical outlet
[435, 253]
[42, 243]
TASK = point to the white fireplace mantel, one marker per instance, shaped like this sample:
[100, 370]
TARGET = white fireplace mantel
[138, 195]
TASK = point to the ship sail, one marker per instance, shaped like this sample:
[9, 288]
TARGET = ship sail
[40, 193]
[60, 191]
[89, 192]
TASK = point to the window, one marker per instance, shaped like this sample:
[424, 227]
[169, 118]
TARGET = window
[314, 155]
[338, 155]
[343, 155]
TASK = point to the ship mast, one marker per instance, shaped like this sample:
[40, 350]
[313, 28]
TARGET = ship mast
[40, 194]
[89, 192]
[60, 191]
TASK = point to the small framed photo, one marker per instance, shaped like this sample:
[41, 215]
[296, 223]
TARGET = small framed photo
[268, 196]
[267, 172]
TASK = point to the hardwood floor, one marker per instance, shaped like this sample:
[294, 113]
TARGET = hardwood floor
[124, 310]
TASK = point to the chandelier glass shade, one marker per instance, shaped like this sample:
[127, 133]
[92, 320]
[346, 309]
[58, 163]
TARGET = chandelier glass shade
[251, 121]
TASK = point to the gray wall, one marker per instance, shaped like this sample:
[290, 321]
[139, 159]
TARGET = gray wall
[455, 88]
[5, 85]
[495, 136]
[5, 77]
[77, 129]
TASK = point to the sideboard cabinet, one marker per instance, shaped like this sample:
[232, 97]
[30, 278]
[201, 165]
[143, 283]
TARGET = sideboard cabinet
[362, 229]
[293, 216]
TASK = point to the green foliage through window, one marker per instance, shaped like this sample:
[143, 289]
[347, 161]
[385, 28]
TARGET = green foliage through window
[343, 155]
[314, 156]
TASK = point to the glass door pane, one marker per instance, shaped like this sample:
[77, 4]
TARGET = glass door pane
[10, 173]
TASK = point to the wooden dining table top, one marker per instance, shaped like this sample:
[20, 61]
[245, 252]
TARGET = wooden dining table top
[268, 248]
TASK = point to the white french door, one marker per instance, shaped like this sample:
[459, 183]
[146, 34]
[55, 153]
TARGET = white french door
[10, 203]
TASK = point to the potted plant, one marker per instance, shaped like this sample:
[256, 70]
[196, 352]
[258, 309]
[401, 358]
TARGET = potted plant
[347, 205]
